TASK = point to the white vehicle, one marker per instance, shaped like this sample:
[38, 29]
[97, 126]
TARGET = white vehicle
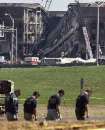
[63, 61]
[57, 61]
[32, 60]
[50, 61]
[77, 60]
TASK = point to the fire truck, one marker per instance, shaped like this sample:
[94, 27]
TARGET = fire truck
[32, 60]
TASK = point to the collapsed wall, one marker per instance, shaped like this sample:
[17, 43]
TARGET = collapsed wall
[68, 37]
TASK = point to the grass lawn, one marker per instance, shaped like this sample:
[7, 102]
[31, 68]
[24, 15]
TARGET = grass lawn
[47, 80]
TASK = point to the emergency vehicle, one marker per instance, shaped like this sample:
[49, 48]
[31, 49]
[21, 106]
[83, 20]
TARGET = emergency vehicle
[32, 60]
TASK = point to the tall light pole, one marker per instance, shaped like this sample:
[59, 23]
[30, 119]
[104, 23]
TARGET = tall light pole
[16, 45]
[12, 19]
[98, 4]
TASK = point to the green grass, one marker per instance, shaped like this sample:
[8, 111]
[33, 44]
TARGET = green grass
[48, 80]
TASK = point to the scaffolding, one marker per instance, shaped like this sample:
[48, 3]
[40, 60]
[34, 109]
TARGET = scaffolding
[33, 28]
[13, 45]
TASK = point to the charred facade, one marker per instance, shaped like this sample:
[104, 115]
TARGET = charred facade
[68, 37]
[53, 33]
[30, 22]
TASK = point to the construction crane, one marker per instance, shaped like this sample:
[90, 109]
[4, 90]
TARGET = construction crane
[46, 4]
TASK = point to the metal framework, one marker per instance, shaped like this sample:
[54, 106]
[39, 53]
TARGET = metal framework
[13, 54]
[89, 53]
[33, 28]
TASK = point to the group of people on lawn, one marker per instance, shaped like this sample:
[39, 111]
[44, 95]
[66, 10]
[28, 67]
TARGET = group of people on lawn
[53, 107]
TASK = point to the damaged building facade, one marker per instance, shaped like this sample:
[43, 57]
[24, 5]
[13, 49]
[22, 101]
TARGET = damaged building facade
[27, 28]
[22, 26]
[76, 33]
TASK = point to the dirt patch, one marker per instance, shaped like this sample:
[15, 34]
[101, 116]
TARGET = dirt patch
[96, 113]
[96, 121]
[52, 126]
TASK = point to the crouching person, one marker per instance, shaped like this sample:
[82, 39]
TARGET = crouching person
[53, 106]
[81, 108]
[11, 105]
[30, 105]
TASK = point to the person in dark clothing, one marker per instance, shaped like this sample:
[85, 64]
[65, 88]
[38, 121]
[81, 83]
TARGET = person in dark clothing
[53, 106]
[30, 105]
[81, 108]
[11, 106]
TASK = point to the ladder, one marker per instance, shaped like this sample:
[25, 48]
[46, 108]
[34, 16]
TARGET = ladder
[88, 47]
[85, 32]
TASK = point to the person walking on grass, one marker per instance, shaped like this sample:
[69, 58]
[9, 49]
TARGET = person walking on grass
[81, 106]
[30, 106]
[53, 110]
[11, 105]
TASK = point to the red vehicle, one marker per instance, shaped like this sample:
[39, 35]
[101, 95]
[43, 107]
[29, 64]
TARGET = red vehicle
[32, 60]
